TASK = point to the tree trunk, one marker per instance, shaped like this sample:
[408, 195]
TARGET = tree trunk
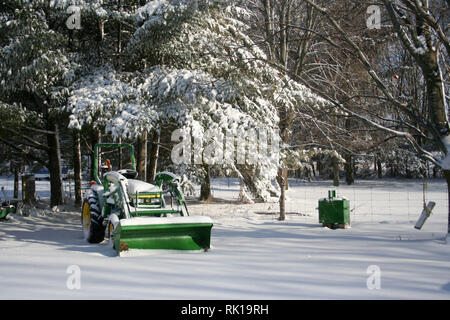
[335, 172]
[286, 179]
[407, 171]
[16, 183]
[120, 154]
[447, 178]
[435, 91]
[77, 167]
[154, 154]
[313, 168]
[54, 166]
[119, 30]
[304, 44]
[269, 28]
[282, 184]
[205, 189]
[375, 159]
[95, 138]
[380, 169]
[286, 116]
[248, 179]
[284, 32]
[349, 176]
[142, 156]
[319, 167]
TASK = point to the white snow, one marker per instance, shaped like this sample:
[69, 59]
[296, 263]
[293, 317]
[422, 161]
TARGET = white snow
[169, 220]
[254, 256]
[135, 186]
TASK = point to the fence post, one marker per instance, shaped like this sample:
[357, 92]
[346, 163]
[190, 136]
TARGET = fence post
[28, 189]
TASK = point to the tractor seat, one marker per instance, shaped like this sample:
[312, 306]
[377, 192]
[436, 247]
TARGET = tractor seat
[137, 186]
[128, 173]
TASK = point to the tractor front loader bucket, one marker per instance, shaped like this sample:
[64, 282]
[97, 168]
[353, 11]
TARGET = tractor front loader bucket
[171, 233]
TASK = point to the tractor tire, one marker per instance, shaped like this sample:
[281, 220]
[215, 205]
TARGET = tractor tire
[91, 220]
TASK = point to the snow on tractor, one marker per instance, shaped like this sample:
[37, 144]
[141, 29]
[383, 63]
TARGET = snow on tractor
[134, 214]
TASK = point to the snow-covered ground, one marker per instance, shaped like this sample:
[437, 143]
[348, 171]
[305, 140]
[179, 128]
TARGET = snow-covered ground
[254, 255]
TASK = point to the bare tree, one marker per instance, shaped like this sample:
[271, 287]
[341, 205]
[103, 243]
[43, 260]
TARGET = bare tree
[419, 34]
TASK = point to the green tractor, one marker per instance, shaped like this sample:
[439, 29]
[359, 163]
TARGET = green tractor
[134, 214]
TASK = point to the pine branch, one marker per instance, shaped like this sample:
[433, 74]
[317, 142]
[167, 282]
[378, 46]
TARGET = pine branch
[31, 142]
[22, 153]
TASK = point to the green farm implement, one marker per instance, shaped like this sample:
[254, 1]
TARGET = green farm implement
[8, 206]
[137, 215]
[6, 209]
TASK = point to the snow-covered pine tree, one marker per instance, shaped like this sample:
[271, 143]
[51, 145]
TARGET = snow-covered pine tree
[193, 67]
[34, 71]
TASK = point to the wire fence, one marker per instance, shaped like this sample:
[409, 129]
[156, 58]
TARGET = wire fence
[398, 199]
[375, 200]
[370, 200]
[397, 204]
[69, 189]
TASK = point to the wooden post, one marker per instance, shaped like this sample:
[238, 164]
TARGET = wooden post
[28, 189]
